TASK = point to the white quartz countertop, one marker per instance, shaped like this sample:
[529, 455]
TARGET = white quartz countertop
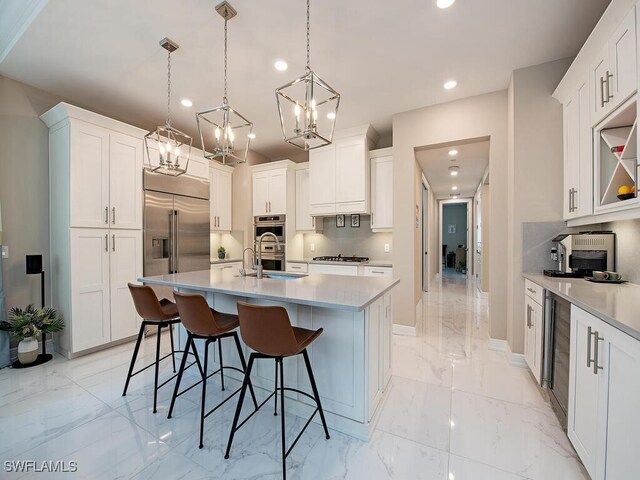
[618, 305]
[316, 290]
[368, 263]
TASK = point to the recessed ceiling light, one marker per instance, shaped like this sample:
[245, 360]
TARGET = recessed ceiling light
[450, 84]
[453, 152]
[444, 3]
[186, 102]
[453, 171]
[454, 195]
[252, 136]
[331, 115]
[281, 65]
[454, 188]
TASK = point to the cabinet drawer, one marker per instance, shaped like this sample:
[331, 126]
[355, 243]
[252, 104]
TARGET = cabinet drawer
[534, 291]
[351, 270]
[378, 272]
[226, 266]
[297, 267]
[322, 209]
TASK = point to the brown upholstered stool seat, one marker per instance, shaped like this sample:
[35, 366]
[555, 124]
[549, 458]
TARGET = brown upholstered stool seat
[224, 322]
[268, 331]
[169, 309]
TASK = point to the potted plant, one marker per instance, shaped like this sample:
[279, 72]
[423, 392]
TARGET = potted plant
[27, 325]
[221, 253]
[463, 266]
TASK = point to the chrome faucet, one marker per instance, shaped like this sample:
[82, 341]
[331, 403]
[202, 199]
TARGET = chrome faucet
[259, 265]
[243, 271]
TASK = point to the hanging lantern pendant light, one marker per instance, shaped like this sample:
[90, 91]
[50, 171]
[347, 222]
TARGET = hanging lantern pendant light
[225, 134]
[167, 144]
[308, 107]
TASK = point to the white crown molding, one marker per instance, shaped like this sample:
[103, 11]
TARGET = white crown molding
[15, 17]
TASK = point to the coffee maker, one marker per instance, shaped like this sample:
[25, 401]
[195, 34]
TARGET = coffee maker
[579, 254]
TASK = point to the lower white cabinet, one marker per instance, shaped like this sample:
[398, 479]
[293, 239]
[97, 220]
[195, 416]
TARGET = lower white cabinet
[379, 351]
[99, 309]
[333, 269]
[297, 267]
[378, 271]
[604, 391]
[534, 329]
[226, 266]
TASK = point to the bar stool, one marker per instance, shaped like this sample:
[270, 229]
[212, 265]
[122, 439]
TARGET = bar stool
[203, 322]
[161, 314]
[268, 331]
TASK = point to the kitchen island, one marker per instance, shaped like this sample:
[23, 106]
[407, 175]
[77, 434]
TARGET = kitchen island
[351, 359]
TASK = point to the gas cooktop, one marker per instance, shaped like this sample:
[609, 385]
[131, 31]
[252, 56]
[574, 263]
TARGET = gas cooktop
[340, 258]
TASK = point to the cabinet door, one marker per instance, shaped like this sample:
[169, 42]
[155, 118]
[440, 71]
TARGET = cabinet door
[529, 336]
[304, 221]
[571, 155]
[382, 193]
[125, 265]
[352, 174]
[537, 319]
[351, 270]
[260, 193]
[277, 192]
[375, 311]
[386, 341]
[620, 359]
[125, 181]
[220, 183]
[198, 165]
[89, 172]
[622, 59]
[90, 324]
[599, 92]
[583, 196]
[322, 177]
[584, 388]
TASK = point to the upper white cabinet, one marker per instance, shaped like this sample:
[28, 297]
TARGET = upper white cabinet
[614, 70]
[220, 184]
[578, 166]
[340, 173]
[604, 387]
[274, 189]
[381, 190]
[105, 177]
[304, 221]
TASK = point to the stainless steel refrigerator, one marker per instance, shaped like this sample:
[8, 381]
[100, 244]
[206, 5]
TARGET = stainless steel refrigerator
[176, 224]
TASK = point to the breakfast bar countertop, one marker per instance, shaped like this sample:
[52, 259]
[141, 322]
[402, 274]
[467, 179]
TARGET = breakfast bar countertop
[316, 290]
[615, 304]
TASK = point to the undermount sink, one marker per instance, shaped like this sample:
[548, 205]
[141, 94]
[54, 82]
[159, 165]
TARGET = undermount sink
[278, 275]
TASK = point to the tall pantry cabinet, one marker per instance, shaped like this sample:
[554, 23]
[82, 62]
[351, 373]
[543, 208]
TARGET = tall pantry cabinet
[95, 214]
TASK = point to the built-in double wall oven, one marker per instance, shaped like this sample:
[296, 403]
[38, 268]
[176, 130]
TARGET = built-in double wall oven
[272, 257]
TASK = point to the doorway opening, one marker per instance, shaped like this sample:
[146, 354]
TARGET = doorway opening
[455, 238]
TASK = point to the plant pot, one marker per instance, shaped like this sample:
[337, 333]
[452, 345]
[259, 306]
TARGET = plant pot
[221, 256]
[28, 350]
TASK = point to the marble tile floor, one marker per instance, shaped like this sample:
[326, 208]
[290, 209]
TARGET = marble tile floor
[456, 411]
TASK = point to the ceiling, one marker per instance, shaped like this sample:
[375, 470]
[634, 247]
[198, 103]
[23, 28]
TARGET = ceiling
[383, 57]
[472, 158]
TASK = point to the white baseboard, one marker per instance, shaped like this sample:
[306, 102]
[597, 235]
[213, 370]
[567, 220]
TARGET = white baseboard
[498, 345]
[516, 359]
[405, 330]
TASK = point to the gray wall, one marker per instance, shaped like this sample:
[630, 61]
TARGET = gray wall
[454, 215]
[24, 187]
[348, 241]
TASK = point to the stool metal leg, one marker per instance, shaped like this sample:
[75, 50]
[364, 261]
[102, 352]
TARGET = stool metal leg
[221, 365]
[183, 364]
[244, 368]
[282, 419]
[135, 357]
[243, 392]
[275, 400]
[204, 390]
[315, 391]
[173, 350]
[157, 369]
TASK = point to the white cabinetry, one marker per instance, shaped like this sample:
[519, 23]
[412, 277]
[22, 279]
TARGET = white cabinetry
[297, 267]
[333, 269]
[220, 184]
[534, 328]
[304, 221]
[226, 266]
[340, 174]
[379, 351]
[604, 387]
[270, 191]
[614, 71]
[381, 190]
[96, 220]
[378, 271]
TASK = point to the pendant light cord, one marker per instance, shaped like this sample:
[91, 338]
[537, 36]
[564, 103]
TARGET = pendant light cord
[169, 88]
[308, 68]
[226, 14]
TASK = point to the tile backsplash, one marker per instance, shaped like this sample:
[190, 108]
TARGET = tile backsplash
[348, 240]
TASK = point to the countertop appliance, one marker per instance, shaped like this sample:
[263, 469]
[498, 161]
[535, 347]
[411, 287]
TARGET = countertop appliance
[340, 258]
[275, 224]
[557, 355]
[579, 254]
[176, 224]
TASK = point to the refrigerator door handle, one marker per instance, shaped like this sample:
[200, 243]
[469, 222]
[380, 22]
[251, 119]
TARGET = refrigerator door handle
[171, 241]
[176, 235]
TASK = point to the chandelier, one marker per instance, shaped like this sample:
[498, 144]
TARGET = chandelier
[224, 133]
[172, 145]
[308, 107]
